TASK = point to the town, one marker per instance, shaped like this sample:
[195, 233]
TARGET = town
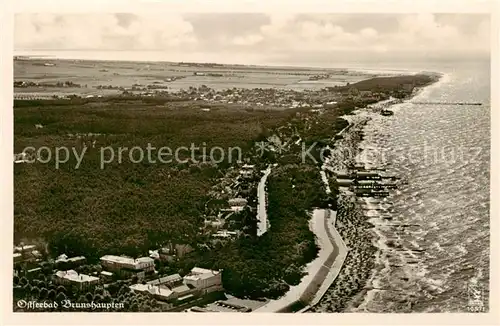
[239, 209]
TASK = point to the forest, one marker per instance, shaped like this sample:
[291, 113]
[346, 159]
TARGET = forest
[125, 208]
[129, 208]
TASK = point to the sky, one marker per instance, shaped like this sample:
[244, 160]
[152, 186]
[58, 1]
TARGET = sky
[255, 38]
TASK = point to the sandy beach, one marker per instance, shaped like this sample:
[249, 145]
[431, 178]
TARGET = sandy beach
[349, 287]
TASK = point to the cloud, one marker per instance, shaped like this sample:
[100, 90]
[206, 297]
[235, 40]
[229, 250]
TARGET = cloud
[101, 31]
[351, 36]
[368, 33]
[416, 33]
[248, 39]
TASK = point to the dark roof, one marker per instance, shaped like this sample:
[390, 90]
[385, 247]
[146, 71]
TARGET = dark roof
[166, 279]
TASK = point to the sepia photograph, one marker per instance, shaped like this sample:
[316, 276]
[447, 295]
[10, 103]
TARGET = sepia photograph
[250, 162]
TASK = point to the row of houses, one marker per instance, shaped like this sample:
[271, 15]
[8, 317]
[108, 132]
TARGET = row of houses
[171, 288]
[24, 253]
[221, 210]
[177, 289]
[35, 96]
[121, 265]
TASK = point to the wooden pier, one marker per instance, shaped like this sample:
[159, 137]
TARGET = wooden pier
[448, 103]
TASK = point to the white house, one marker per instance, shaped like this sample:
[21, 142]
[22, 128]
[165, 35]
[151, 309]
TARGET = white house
[158, 292]
[205, 280]
[71, 277]
[112, 262]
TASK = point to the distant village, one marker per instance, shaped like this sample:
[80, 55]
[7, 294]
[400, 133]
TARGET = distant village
[255, 97]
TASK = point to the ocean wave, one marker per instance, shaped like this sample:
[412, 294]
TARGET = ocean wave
[438, 219]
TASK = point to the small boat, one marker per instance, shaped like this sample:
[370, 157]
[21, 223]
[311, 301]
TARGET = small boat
[386, 112]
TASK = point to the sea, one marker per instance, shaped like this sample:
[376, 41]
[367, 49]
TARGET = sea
[433, 244]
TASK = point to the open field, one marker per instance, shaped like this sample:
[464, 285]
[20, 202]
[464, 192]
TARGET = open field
[165, 74]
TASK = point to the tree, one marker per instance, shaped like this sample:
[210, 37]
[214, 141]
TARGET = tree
[134, 307]
[98, 298]
[60, 298]
[18, 268]
[27, 289]
[107, 298]
[43, 293]
[145, 307]
[89, 297]
[123, 290]
[61, 289]
[23, 281]
[35, 292]
[99, 290]
[52, 294]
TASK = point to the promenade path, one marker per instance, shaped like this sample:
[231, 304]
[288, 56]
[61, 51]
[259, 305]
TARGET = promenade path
[321, 272]
[262, 223]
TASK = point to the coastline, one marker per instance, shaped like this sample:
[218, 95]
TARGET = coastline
[350, 287]
[327, 268]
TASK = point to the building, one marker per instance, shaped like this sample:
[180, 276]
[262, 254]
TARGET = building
[222, 306]
[154, 254]
[225, 234]
[116, 263]
[71, 277]
[160, 293]
[128, 267]
[18, 257]
[183, 291]
[33, 272]
[169, 280]
[171, 252]
[241, 202]
[146, 264]
[22, 158]
[247, 171]
[26, 253]
[167, 254]
[106, 276]
[205, 280]
[215, 222]
[25, 248]
[173, 290]
[64, 261]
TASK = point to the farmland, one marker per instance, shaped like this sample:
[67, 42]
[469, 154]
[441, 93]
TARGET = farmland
[171, 76]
